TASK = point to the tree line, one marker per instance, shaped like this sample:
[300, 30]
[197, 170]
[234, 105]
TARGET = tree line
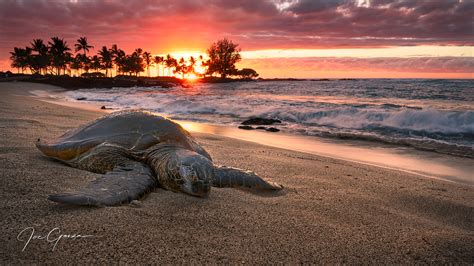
[56, 58]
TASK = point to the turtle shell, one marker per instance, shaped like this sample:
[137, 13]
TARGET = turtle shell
[133, 130]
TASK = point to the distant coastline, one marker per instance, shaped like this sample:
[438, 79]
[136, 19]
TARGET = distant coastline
[121, 81]
[125, 81]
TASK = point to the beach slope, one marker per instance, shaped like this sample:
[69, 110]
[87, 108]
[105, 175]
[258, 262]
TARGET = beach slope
[331, 210]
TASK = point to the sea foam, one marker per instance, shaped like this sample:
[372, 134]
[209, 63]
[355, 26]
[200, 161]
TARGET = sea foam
[437, 116]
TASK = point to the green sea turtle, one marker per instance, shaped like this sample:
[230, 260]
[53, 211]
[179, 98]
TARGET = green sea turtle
[137, 151]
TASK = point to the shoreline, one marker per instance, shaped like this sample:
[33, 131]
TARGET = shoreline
[406, 159]
[331, 211]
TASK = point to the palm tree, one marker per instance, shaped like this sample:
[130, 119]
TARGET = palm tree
[118, 56]
[160, 60]
[170, 62]
[115, 51]
[181, 67]
[137, 61]
[106, 59]
[209, 70]
[85, 62]
[41, 59]
[139, 51]
[82, 45]
[119, 59]
[20, 58]
[148, 62]
[59, 51]
[96, 63]
[203, 65]
[125, 65]
[76, 64]
[192, 63]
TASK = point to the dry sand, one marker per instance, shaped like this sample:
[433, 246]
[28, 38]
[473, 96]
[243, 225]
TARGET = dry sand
[331, 211]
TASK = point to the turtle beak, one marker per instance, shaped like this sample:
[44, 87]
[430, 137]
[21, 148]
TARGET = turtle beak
[198, 189]
[201, 189]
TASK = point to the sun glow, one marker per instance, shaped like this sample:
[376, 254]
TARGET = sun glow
[186, 54]
[191, 77]
[198, 68]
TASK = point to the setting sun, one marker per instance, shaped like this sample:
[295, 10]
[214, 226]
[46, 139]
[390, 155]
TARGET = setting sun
[191, 77]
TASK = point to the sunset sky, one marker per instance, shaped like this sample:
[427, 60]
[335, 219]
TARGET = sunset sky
[279, 38]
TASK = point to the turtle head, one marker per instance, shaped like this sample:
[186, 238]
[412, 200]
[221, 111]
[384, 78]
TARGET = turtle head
[182, 170]
[195, 176]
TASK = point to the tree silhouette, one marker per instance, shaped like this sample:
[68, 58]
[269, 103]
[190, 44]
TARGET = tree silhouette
[82, 45]
[137, 61]
[76, 64]
[96, 63]
[170, 62]
[246, 73]
[85, 61]
[118, 56]
[205, 64]
[192, 63]
[39, 62]
[180, 67]
[59, 51]
[114, 51]
[160, 60]
[106, 59]
[223, 55]
[69, 57]
[20, 57]
[55, 58]
[148, 59]
[132, 63]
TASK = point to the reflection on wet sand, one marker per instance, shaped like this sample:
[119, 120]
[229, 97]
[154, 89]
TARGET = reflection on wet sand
[407, 159]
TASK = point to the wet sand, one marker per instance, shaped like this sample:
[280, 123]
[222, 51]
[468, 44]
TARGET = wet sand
[331, 211]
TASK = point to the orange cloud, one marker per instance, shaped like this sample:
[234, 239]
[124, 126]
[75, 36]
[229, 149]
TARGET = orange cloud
[348, 67]
[190, 25]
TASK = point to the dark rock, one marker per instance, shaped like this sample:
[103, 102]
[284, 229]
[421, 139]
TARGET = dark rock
[103, 107]
[246, 127]
[104, 82]
[261, 121]
[272, 129]
[264, 128]
[81, 98]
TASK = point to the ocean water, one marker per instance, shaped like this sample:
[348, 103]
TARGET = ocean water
[434, 115]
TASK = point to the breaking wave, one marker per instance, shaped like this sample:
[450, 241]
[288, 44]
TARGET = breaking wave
[337, 109]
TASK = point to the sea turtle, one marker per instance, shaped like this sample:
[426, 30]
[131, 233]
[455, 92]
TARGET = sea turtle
[137, 151]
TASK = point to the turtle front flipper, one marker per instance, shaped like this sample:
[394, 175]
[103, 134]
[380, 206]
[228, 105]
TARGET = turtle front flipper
[237, 178]
[121, 185]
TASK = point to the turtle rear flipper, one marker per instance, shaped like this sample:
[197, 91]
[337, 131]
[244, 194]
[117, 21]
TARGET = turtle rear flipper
[121, 185]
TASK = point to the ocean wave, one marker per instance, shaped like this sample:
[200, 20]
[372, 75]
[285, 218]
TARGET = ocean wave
[428, 125]
[429, 120]
[421, 143]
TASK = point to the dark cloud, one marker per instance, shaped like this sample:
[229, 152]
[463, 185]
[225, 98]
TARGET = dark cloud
[311, 6]
[252, 24]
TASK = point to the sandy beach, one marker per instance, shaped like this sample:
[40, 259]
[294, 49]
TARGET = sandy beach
[331, 211]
